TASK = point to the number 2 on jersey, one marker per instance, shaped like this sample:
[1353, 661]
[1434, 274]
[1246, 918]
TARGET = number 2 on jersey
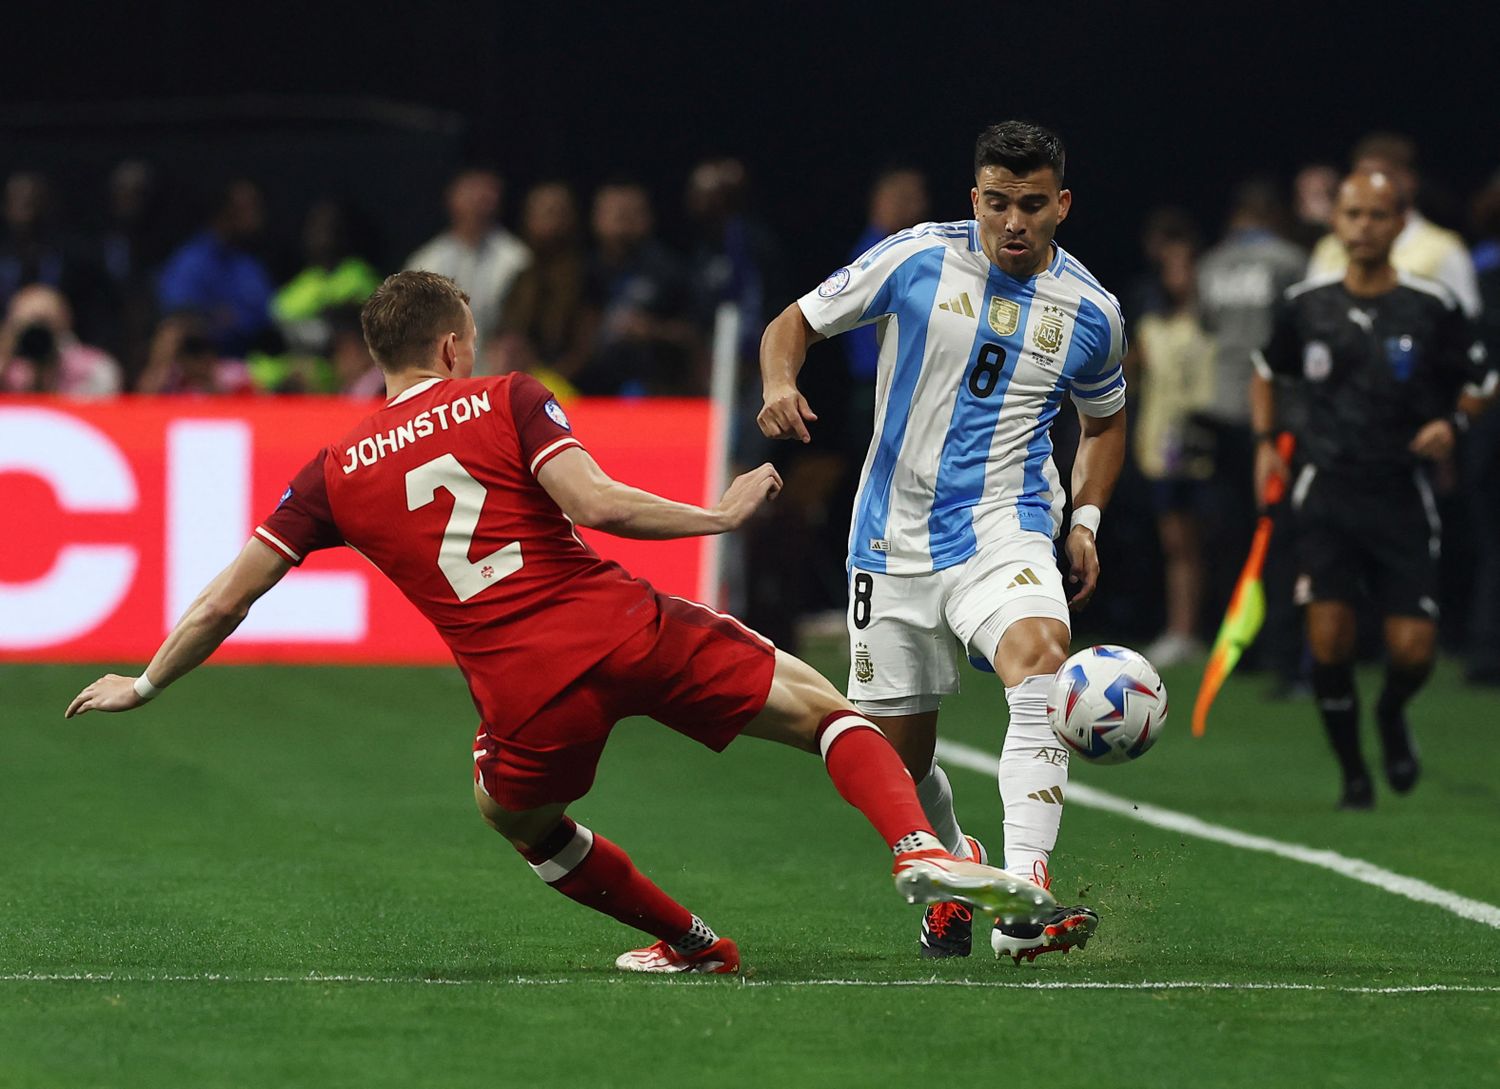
[465, 576]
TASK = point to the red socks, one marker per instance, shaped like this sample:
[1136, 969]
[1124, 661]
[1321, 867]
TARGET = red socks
[597, 874]
[870, 776]
[594, 872]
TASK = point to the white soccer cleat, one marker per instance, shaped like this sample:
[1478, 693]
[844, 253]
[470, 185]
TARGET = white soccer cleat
[926, 877]
[721, 958]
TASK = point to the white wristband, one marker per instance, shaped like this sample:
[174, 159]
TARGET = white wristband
[1087, 517]
[145, 689]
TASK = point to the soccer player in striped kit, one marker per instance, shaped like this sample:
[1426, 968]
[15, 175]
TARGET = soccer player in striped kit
[985, 325]
[465, 492]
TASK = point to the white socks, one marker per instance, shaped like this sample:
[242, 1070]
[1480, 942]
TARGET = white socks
[1033, 776]
[936, 795]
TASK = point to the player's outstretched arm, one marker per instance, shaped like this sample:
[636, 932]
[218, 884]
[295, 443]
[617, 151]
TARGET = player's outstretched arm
[593, 499]
[1101, 455]
[783, 350]
[210, 619]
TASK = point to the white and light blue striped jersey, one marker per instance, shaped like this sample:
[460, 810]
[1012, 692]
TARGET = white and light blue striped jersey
[973, 366]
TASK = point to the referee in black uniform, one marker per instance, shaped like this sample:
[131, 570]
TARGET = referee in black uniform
[1390, 370]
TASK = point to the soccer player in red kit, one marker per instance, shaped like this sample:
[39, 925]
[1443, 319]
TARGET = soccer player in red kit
[464, 492]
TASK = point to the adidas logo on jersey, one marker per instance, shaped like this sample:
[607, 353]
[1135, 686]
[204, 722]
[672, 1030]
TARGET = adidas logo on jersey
[1026, 578]
[959, 305]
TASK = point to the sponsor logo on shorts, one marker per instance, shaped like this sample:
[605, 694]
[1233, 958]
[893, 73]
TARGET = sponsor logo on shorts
[834, 284]
[1058, 758]
[557, 415]
[879, 544]
[1302, 591]
[864, 667]
[1428, 606]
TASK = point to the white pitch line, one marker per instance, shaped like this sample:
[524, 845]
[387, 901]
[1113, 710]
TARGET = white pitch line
[965, 756]
[523, 981]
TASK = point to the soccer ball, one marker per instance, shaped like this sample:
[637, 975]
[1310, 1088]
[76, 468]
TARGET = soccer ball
[1107, 704]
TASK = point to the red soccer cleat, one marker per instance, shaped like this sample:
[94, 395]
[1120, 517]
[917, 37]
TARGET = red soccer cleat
[721, 958]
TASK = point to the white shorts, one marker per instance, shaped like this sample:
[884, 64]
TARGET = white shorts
[902, 627]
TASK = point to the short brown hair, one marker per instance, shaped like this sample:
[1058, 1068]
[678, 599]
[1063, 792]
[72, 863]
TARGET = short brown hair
[407, 313]
[1389, 147]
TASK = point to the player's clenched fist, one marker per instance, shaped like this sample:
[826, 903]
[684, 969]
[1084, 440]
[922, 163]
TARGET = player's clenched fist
[786, 414]
[747, 493]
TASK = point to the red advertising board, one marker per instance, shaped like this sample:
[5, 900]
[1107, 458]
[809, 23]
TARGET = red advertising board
[114, 514]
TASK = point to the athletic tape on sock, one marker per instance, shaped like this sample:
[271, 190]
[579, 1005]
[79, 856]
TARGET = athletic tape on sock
[839, 723]
[567, 859]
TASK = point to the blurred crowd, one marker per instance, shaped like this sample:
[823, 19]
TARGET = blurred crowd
[588, 296]
[589, 299]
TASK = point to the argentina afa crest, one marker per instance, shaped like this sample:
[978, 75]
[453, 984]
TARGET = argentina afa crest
[1048, 334]
[1004, 316]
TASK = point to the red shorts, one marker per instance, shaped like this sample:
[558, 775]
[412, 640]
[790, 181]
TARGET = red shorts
[699, 672]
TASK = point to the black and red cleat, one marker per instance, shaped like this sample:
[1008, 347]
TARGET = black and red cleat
[948, 927]
[1070, 927]
[947, 930]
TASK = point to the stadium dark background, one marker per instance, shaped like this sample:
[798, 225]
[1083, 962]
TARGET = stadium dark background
[1159, 104]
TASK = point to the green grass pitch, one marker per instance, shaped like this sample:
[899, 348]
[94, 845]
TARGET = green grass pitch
[256, 828]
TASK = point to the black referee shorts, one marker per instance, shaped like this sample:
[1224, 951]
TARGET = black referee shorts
[1367, 537]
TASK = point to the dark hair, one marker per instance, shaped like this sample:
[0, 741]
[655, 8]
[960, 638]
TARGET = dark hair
[407, 313]
[1020, 147]
[1260, 199]
[1390, 147]
[196, 346]
[1486, 209]
[1169, 224]
[891, 171]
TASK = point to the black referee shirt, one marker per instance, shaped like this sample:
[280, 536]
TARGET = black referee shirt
[1373, 370]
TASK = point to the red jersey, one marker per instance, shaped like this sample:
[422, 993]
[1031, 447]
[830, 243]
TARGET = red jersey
[438, 490]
